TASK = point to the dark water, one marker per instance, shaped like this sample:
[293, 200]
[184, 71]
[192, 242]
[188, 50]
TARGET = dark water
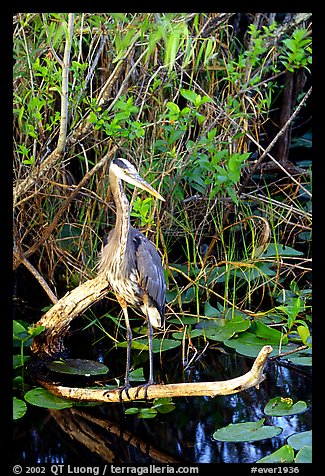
[103, 434]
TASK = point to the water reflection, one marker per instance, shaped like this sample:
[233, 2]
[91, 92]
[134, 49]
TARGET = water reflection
[103, 433]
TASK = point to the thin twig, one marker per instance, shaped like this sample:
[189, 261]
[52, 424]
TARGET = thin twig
[64, 91]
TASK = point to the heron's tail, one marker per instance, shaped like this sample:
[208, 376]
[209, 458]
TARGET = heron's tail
[154, 316]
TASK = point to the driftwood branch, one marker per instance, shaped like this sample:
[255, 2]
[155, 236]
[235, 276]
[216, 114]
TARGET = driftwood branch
[198, 389]
[57, 320]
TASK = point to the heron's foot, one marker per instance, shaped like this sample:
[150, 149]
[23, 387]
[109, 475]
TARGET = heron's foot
[145, 387]
[124, 388]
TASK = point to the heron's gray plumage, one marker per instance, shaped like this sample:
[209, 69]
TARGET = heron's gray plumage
[140, 268]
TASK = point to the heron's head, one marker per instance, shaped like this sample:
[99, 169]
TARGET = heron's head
[124, 170]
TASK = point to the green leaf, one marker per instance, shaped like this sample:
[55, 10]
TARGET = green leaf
[250, 344]
[147, 413]
[41, 397]
[249, 431]
[210, 311]
[232, 327]
[158, 345]
[189, 333]
[19, 360]
[19, 408]
[280, 406]
[78, 367]
[164, 405]
[285, 454]
[304, 455]
[268, 333]
[137, 375]
[189, 95]
[277, 249]
[161, 345]
[132, 411]
[299, 440]
[303, 332]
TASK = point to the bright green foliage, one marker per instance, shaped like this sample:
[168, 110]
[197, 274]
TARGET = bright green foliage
[297, 50]
[159, 405]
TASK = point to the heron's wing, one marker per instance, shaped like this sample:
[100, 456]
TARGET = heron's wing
[149, 268]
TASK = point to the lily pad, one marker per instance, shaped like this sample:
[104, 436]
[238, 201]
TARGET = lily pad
[189, 333]
[164, 405]
[285, 454]
[40, 397]
[280, 406]
[249, 344]
[158, 345]
[231, 327]
[248, 431]
[78, 367]
[298, 440]
[301, 358]
[19, 408]
[304, 455]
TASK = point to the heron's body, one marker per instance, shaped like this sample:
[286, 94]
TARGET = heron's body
[135, 273]
[131, 262]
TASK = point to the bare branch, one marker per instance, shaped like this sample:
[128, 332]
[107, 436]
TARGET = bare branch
[228, 387]
[64, 92]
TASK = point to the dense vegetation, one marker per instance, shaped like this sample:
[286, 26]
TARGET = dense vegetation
[213, 109]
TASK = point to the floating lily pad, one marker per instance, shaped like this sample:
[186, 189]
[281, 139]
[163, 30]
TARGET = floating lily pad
[280, 406]
[301, 358]
[285, 454]
[211, 311]
[231, 327]
[298, 440]
[189, 333]
[141, 412]
[304, 455]
[78, 367]
[250, 342]
[248, 431]
[40, 397]
[158, 345]
[184, 320]
[19, 408]
[164, 405]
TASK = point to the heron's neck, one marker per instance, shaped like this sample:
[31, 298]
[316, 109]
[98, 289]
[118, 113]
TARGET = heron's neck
[122, 225]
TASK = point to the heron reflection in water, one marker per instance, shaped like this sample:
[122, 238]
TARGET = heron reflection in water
[132, 264]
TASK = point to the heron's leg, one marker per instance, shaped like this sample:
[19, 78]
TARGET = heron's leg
[150, 336]
[126, 385]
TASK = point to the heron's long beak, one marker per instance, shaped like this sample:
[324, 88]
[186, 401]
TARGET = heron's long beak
[138, 181]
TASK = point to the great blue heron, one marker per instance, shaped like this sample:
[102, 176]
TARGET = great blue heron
[132, 264]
